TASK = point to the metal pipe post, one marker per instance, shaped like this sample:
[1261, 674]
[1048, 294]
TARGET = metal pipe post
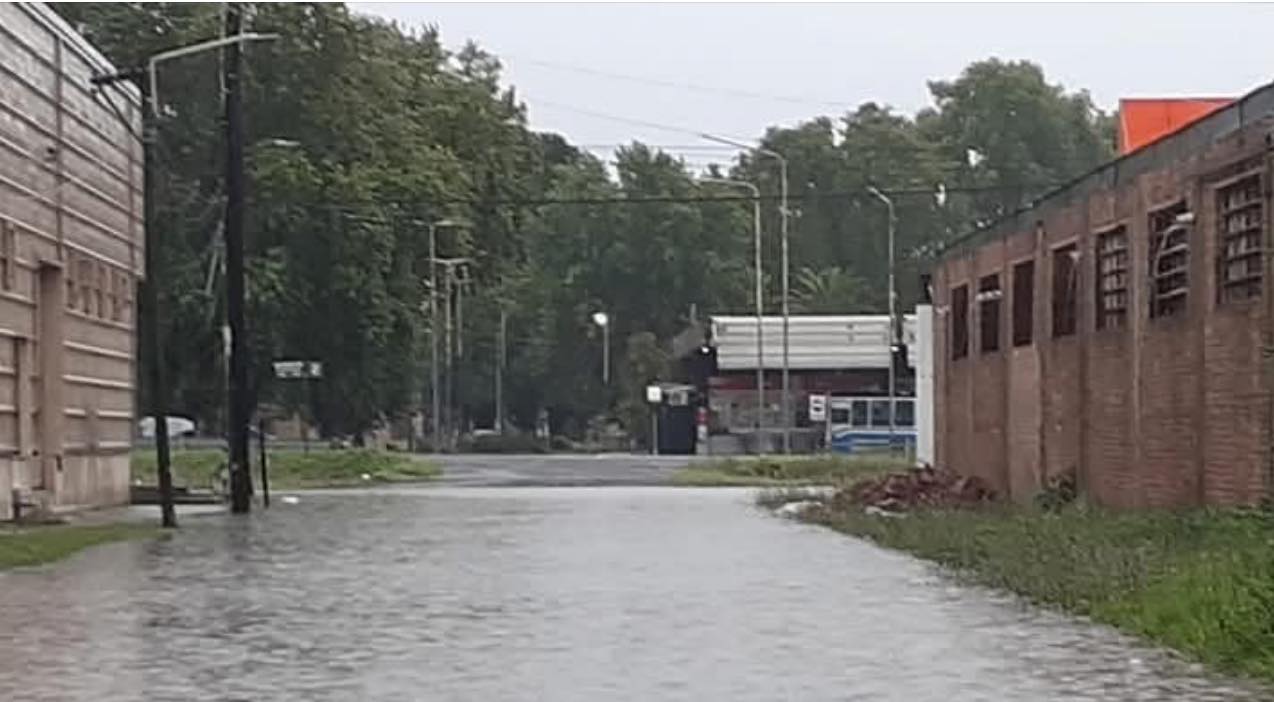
[895, 335]
[787, 379]
[434, 398]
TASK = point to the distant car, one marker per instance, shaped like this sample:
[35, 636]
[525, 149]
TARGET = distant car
[177, 427]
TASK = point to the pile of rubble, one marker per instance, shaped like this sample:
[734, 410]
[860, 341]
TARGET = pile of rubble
[921, 487]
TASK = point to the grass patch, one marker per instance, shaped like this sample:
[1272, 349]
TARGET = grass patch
[28, 546]
[775, 471]
[1200, 582]
[291, 470]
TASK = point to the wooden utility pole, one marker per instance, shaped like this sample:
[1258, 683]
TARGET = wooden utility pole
[240, 474]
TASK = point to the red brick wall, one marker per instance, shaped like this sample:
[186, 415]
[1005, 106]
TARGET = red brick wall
[1110, 457]
[1156, 413]
[1023, 377]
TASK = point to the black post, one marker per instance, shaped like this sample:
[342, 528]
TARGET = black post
[150, 320]
[240, 477]
[265, 464]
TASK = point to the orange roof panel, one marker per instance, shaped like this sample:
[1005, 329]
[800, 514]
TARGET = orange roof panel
[1142, 121]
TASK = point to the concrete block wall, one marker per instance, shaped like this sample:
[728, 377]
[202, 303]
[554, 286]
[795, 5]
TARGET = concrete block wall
[1155, 412]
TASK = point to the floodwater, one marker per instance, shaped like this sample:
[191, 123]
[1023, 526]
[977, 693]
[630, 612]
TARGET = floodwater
[560, 594]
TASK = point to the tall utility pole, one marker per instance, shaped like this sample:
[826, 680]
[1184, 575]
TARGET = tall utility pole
[895, 329]
[760, 303]
[500, 358]
[448, 265]
[784, 213]
[150, 298]
[240, 403]
[787, 377]
[434, 382]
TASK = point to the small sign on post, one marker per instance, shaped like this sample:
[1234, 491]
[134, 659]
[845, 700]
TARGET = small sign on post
[818, 408]
[298, 369]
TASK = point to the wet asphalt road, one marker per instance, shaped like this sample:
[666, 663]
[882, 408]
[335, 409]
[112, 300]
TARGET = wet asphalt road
[584, 594]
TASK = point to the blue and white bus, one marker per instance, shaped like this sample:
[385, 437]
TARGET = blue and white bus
[858, 424]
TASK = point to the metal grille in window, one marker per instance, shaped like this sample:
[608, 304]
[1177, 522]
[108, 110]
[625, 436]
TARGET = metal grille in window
[1240, 220]
[989, 296]
[1169, 261]
[1112, 278]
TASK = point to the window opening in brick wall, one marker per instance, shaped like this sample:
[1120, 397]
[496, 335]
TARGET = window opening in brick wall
[1112, 278]
[85, 275]
[1065, 288]
[8, 250]
[128, 287]
[960, 321]
[1240, 226]
[1023, 303]
[989, 296]
[1169, 261]
[100, 284]
[72, 285]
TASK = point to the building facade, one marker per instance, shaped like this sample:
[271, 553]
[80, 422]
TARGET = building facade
[70, 255]
[828, 356]
[1120, 329]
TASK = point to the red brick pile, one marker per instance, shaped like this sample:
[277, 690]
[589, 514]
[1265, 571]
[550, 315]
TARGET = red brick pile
[921, 487]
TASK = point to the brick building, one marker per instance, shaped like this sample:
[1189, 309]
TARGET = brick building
[70, 254]
[1116, 328]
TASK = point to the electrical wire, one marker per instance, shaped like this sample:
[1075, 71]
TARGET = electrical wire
[690, 87]
[412, 209]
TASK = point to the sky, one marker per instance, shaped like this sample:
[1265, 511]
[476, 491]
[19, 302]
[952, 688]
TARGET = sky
[606, 74]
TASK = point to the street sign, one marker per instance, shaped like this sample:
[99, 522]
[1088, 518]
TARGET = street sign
[298, 369]
[654, 394]
[818, 408]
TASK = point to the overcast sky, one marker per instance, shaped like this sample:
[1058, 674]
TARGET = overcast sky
[754, 65]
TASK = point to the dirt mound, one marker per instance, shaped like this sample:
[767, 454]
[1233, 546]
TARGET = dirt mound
[921, 487]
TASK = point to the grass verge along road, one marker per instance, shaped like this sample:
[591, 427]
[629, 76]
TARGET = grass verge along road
[291, 470]
[33, 545]
[1200, 582]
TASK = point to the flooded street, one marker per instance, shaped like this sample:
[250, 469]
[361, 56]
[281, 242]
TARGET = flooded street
[571, 594]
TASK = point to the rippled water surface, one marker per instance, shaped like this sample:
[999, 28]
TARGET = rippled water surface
[572, 594]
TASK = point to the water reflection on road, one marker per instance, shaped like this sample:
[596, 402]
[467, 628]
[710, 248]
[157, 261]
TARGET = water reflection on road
[616, 593]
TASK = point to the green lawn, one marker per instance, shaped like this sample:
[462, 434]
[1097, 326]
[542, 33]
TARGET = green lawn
[772, 471]
[293, 469]
[1200, 582]
[27, 546]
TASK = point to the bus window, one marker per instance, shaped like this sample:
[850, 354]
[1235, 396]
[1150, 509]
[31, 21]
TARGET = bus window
[906, 413]
[860, 413]
[840, 415]
[880, 413]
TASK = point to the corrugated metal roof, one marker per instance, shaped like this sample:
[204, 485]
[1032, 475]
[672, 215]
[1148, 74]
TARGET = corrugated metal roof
[815, 342]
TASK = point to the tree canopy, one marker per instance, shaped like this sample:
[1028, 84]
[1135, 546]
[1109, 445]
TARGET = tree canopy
[362, 133]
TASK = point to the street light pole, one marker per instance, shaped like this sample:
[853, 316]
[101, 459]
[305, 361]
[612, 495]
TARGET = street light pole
[499, 370]
[895, 335]
[759, 299]
[435, 398]
[449, 265]
[602, 320]
[784, 264]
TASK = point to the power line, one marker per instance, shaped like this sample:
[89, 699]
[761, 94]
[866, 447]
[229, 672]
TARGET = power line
[691, 87]
[904, 191]
[698, 133]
